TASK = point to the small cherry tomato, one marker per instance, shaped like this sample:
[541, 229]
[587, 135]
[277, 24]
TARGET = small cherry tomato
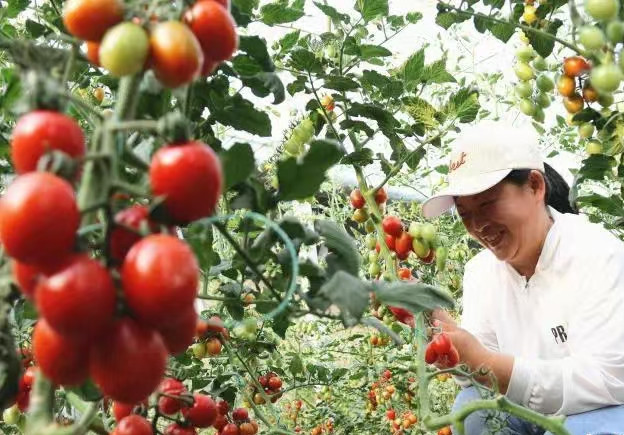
[90, 19]
[214, 28]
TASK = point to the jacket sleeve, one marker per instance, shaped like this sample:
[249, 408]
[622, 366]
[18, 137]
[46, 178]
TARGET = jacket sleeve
[475, 311]
[593, 375]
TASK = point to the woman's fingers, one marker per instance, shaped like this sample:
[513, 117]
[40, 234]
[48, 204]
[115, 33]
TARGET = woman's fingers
[443, 316]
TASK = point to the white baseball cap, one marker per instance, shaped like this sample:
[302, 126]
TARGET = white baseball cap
[481, 156]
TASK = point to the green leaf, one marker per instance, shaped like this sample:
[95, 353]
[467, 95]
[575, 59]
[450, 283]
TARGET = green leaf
[413, 69]
[595, 167]
[368, 51]
[447, 19]
[263, 84]
[241, 114]
[387, 123]
[502, 31]
[301, 179]
[414, 297]
[256, 48]
[340, 244]
[544, 45]
[305, 60]
[436, 73]
[278, 13]
[372, 78]
[413, 17]
[238, 163]
[245, 65]
[341, 84]
[332, 12]
[612, 205]
[201, 239]
[349, 294]
[14, 7]
[296, 365]
[421, 111]
[289, 41]
[35, 29]
[357, 126]
[371, 9]
[463, 105]
[246, 6]
[361, 157]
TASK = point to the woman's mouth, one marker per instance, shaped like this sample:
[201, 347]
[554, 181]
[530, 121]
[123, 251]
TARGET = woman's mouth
[493, 240]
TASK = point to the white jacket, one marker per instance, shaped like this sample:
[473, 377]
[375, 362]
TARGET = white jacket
[565, 326]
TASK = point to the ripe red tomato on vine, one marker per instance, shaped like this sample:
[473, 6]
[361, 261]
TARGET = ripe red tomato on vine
[90, 19]
[133, 425]
[214, 28]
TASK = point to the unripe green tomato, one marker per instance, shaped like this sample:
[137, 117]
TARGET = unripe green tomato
[593, 147]
[539, 114]
[545, 83]
[586, 130]
[360, 215]
[387, 276]
[414, 229]
[540, 64]
[371, 241]
[524, 89]
[605, 100]
[420, 247]
[292, 147]
[199, 350]
[615, 32]
[441, 256]
[605, 78]
[373, 256]
[388, 318]
[525, 53]
[374, 269]
[124, 49]
[304, 131]
[591, 37]
[602, 10]
[11, 415]
[523, 71]
[542, 100]
[527, 107]
[250, 325]
[369, 226]
[428, 233]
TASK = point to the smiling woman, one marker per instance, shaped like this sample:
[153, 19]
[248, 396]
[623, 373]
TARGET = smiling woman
[531, 297]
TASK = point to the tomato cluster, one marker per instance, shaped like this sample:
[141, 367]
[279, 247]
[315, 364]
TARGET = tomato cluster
[210, 336]
[238, 423]
[272, 385]
[442, 352]
[177, 51]
[328, 427]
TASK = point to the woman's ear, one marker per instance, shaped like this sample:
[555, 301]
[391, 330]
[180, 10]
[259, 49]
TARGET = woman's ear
[537, 184]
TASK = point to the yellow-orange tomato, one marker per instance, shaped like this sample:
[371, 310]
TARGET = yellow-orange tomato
[574, 104]
[575, 66]
[93, 52]
[566, 86]
[589, 93]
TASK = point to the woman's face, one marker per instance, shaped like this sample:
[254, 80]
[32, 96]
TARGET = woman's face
[504, 218]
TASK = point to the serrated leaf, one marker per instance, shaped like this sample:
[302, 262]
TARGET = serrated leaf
[413, 17]
[595, 167]
[544, 45]
[414, 297]
[341, 84]
[256, 48]
[361, 157]
[462, 105]
[332, 12]
[612, 205]
[241, 114]
[289, 41]
[413, 68]
[421, 111]
[368, 51]
[263, 84]
[349, 294]
[341, 244]
[436, 73]
[305, 60]
[238, 163]
[357, 126]
[371, 9]
[277, 13]
[300, 179]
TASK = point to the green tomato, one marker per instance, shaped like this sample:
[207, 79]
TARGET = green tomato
[199, 350]
[593, 147]
[371, 241]
[524, 89]
[525, 53]
[304, 131]
[414, 230]
[602, 10]
[124, 49]
[615, 31]
[586, 130]
[428, 233]
[540, 64]
[373, 256]
[527, 107]
[387, 276]
[545, 83]
[523, 71]
[374, 270]
[592, 38]
[605, 78]
[605, 100]
[369, 226]
[292, 147]
[539, 114]
[420, 247]
[11, 415]
[441, 255]
[543, 100]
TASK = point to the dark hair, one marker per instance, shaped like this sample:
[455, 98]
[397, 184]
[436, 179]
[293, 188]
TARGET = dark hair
[557, 190]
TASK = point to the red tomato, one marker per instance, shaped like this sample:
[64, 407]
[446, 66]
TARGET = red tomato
[575, 66]
[275, 383]
[26, 356]
[264, 381]
[176, 429]
[249, 429]
[391, 414]
[129, 362]
[403, 315]
[160, 276]
[214, 28]
[179, 335]
[175, 53]
[381, 196]
[23, 400]
[122, 239]
[357, 200]
[189, 176]
[93, 52]
[64, 361]
[405, 273]
[392, 225]
[223, 407]
[203, 413]
[391, 242]
[80, 299]
[90, 19]
[208, 67]
[213, 346]
[38, 218]
[133, 425]
[172, 387]
[121, 410]
[220, 422]
[240, 414]
[26, 277]
[28, 378]
[224, 3]
[403, 245]
[41, 131]
[429, 258]
[430, 355]
[230, 429]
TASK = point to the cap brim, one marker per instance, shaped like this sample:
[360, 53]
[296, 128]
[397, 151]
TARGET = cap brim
[444, 200]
